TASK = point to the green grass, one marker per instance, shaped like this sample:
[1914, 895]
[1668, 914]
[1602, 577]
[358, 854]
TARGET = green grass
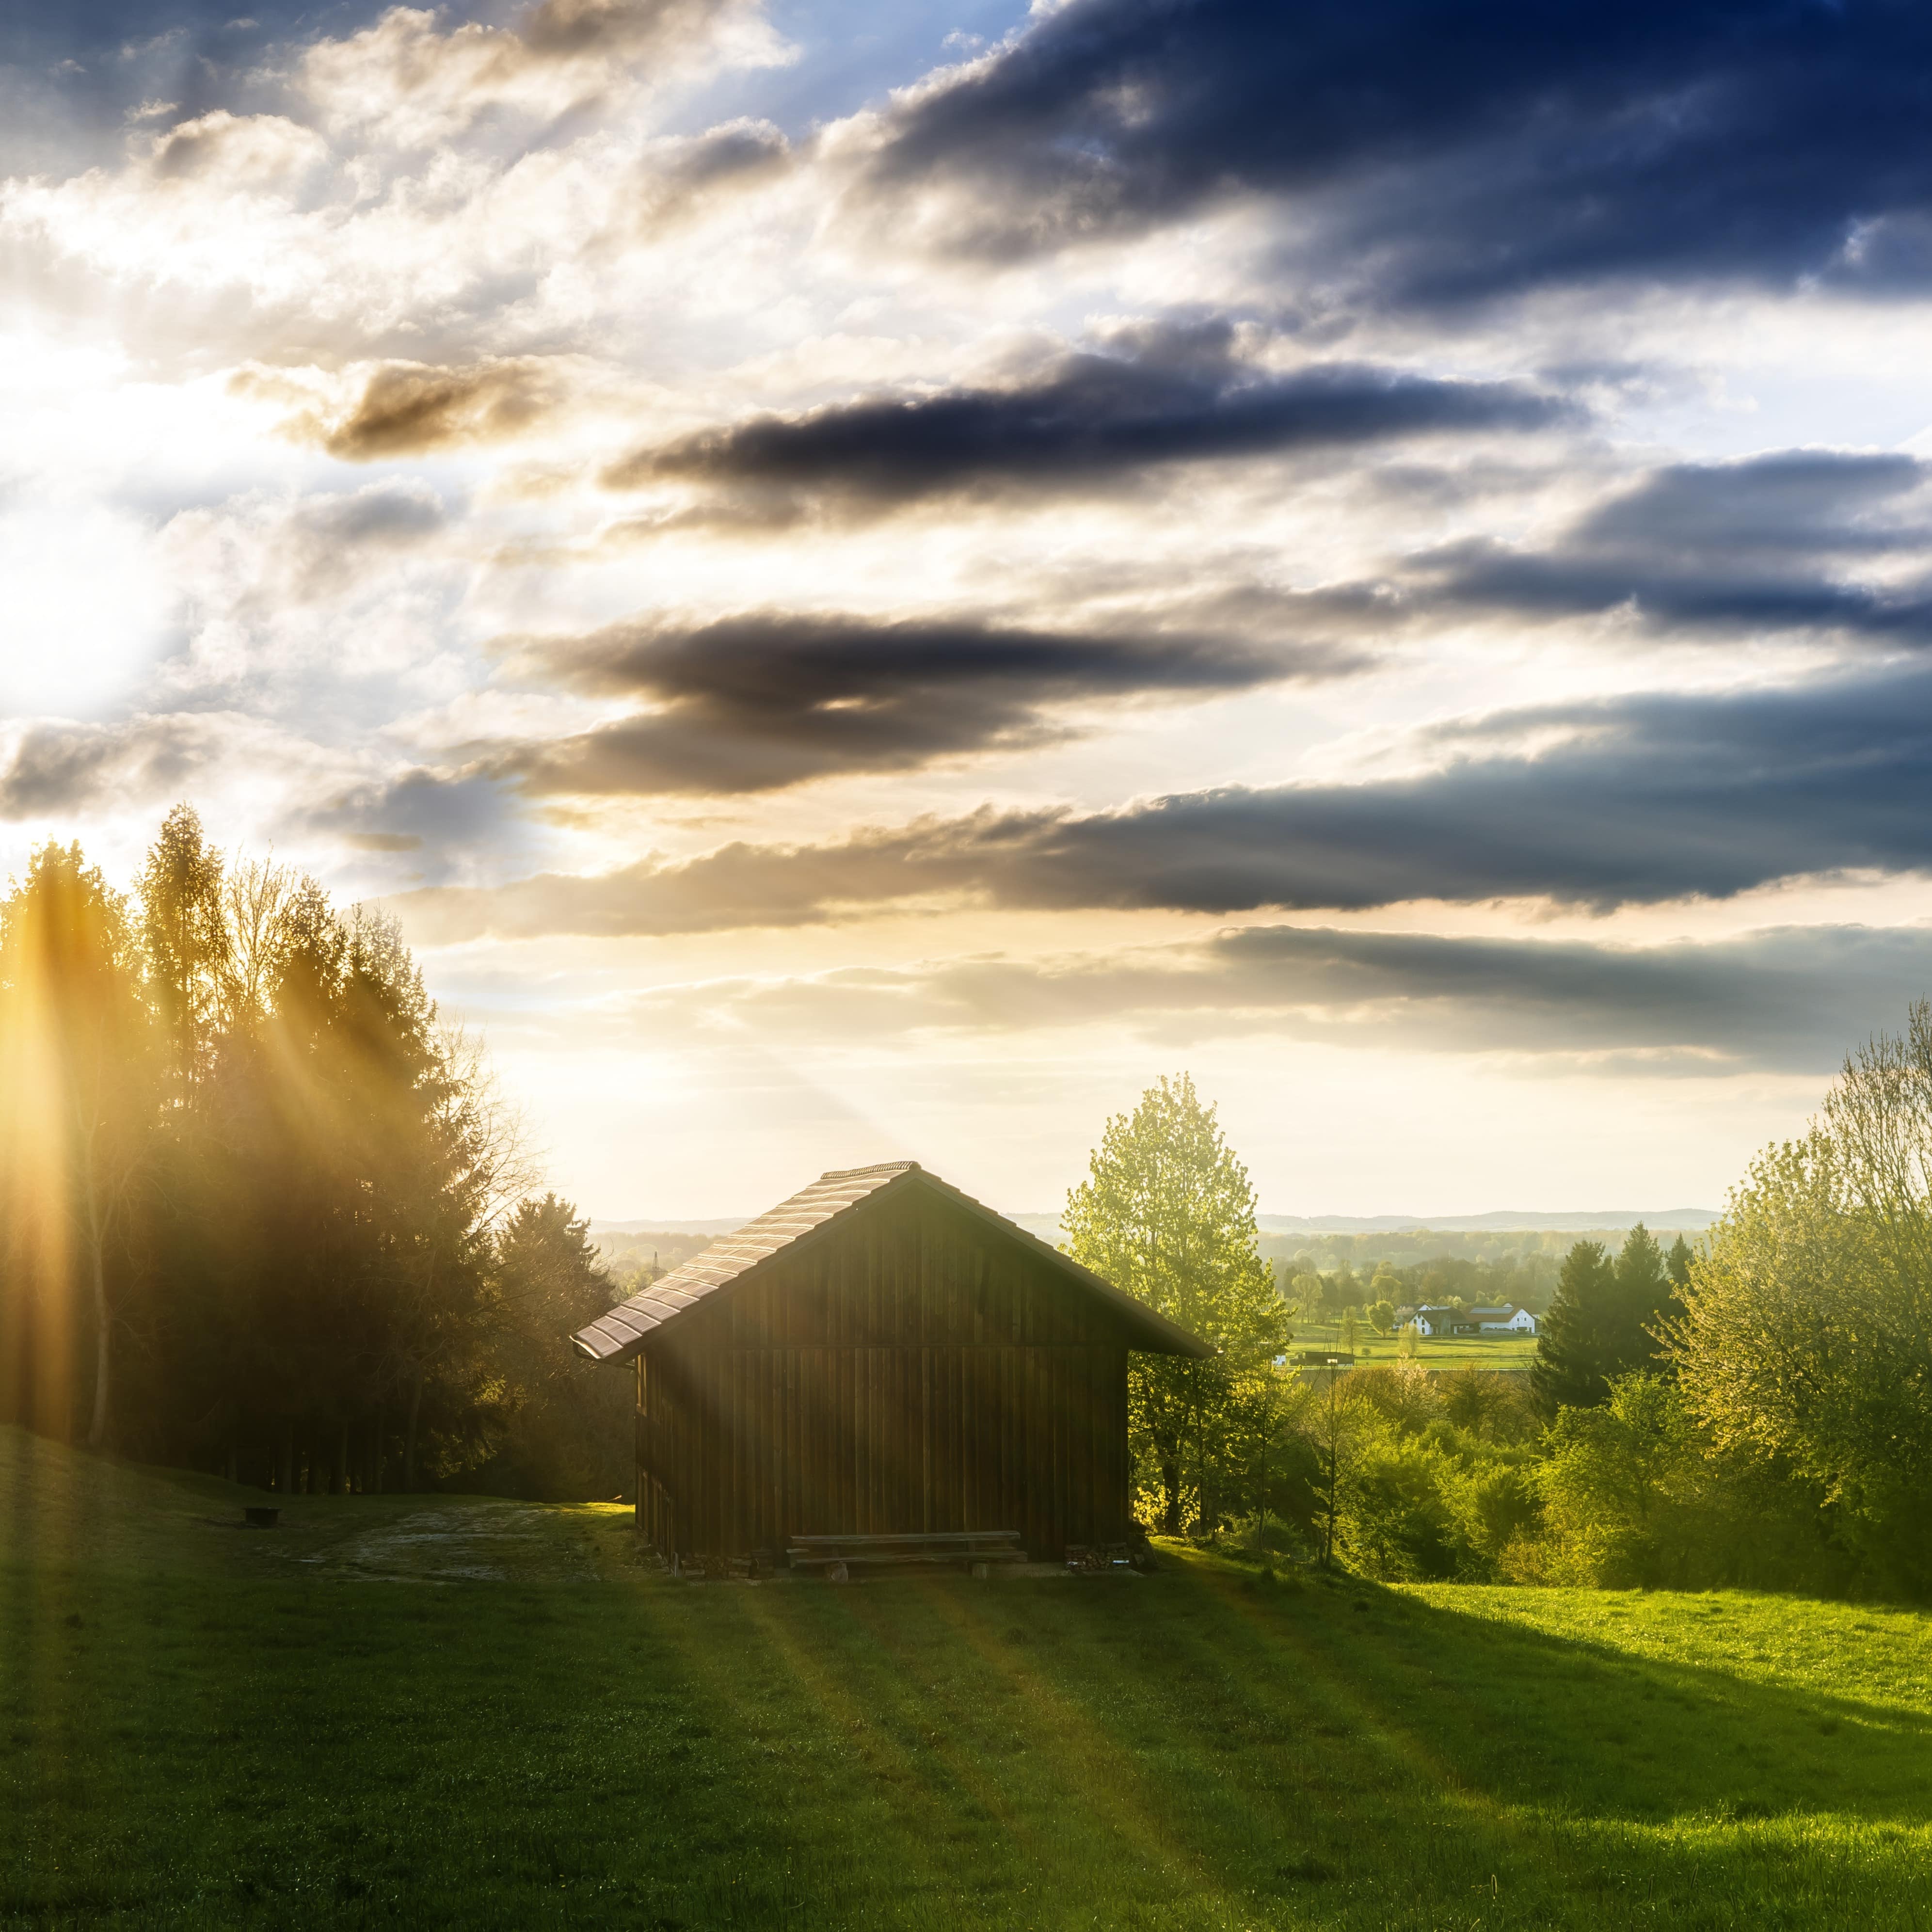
[1487, 1351]
[426, 1712]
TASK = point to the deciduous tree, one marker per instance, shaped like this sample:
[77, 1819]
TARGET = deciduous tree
[1806, 1336]
[1167, 1212]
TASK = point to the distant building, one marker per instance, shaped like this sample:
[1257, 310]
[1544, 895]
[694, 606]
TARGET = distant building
[1503, 1320]
[1438, 1323]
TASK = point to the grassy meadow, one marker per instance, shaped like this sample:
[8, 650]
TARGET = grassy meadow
[1449, 1352]
[454, 1711]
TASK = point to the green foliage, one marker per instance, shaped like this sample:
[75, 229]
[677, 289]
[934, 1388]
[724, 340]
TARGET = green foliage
[1807, 1336]
[1418, 1477]
[1633, 1493]
[253, 1188]
[77, 1120]
[1167, 1213]
[1604, 1322]
[1507, 1279]
[559, 1426]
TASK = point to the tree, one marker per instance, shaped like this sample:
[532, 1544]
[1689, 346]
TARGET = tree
[1382, 1317]
[1634, 1492]
[1167, 1213]
[1806, 1335]
[1604, 1321]
[1338, 1426]
[1677, 1265]
[560, 1425]
[77, 1068]
[1574, 1343]
[185, 936]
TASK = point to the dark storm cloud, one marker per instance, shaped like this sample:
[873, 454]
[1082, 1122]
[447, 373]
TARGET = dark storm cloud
[1167, 396]
[1446, 150]
[1790, 1000]
[1770, 544]
[755, 702]
[1645, 800]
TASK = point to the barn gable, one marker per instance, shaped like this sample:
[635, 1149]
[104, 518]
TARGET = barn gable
[832, 1202]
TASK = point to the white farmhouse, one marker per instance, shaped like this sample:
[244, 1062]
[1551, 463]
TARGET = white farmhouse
[1504, 1320]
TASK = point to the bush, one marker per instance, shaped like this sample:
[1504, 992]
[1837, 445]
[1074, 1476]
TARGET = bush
[1634, 1493]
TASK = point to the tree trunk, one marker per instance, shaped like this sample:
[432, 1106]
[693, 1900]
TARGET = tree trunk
[341, 1482]
[97, 1429]
[1170, 1483]
[286, 1470]
[409, 1439]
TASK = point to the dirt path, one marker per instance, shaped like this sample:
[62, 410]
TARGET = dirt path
[442, 1539]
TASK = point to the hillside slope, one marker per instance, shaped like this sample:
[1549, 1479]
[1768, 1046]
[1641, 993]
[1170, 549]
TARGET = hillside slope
[526, 1727]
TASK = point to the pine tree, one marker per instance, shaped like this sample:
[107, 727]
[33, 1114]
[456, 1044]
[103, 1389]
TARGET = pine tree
[1602, 1323]
[1677, 1264]
[1575, 1341]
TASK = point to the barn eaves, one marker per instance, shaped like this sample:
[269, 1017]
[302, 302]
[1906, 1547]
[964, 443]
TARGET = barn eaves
[808, 1216]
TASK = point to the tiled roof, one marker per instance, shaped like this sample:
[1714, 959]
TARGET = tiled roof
[624, 1331]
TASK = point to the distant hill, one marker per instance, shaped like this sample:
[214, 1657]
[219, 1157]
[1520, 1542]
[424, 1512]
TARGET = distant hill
[1672, 1220]
[632, 1235]
[598, 1229]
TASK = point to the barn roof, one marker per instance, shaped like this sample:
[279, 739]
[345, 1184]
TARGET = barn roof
[829, 1201]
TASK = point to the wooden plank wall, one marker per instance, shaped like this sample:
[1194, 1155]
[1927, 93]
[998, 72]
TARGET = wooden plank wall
[912, 1371]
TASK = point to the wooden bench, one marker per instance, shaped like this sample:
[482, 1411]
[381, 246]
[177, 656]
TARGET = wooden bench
[839, 1556]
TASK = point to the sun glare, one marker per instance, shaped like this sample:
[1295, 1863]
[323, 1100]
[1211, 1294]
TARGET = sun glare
[85, 608]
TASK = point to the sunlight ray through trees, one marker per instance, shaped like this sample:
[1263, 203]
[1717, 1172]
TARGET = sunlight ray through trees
[262, 1204]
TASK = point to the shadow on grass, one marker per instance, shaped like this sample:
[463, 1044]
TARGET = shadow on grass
[1177, 1752]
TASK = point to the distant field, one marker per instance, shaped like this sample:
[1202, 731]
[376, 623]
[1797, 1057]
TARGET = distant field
[457, 1711]
[1488, 1351]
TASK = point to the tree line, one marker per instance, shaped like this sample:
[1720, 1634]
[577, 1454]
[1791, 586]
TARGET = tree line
[1756, 1412]
[261, 1211]
[1518, 1281]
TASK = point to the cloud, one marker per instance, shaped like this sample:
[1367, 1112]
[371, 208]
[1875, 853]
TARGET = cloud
[406, 81]
[1431, 153]
[1798, 541]
[253, 150]
[1766, 544]
[754, 702]
[407, 409]
[682, 178]
[1638, 801]
[1162, 396]
[258, 558]
[1788, 1000]
[54, 769]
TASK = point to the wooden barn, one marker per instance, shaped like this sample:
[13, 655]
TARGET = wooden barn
[880, 1355]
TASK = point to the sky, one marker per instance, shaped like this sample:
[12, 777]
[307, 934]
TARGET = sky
[866, 580]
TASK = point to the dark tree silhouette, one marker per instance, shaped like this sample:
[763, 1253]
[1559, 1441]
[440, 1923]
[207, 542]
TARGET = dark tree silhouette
[1602, 1322]
[260, 1205]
